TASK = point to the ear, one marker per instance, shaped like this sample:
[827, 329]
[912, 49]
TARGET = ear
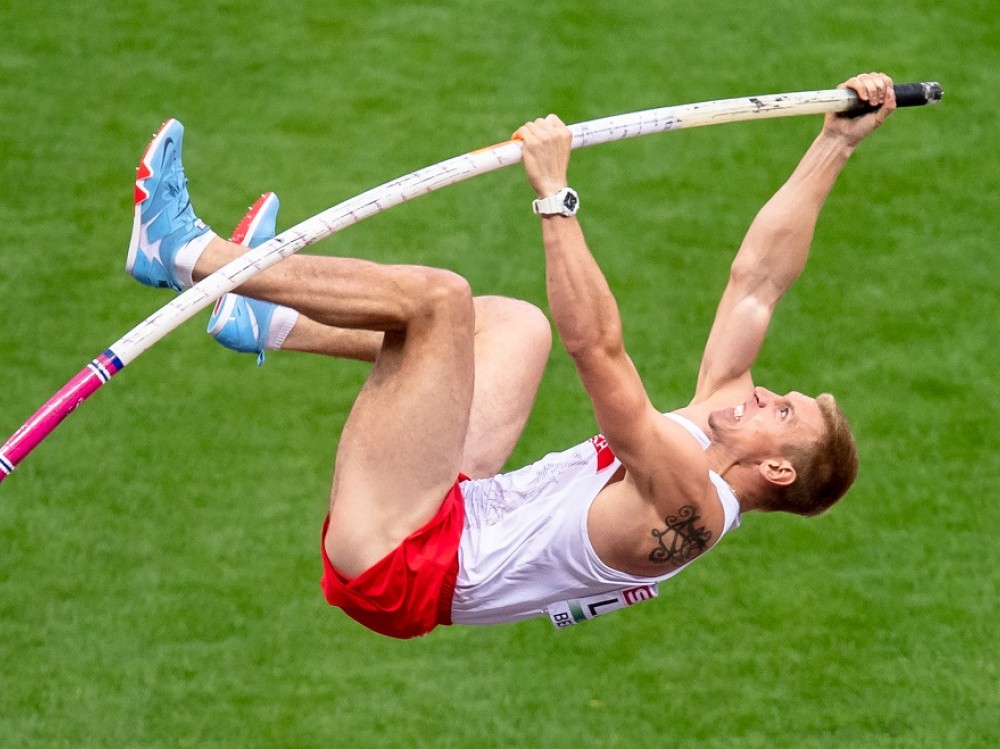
[777, 471]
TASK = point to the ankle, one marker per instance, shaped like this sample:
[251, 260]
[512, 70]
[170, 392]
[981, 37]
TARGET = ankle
[201, 261]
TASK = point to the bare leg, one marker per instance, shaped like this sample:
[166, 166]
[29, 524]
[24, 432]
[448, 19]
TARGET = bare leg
[512, 344]
[402, 445]
[513, 340]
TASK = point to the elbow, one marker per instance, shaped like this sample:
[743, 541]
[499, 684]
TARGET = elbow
[747, 271]
[751, 278]
[595, 345]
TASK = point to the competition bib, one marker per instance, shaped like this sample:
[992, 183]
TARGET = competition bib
[576, 610]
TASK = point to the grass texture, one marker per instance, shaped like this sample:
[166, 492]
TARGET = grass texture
[159, 553]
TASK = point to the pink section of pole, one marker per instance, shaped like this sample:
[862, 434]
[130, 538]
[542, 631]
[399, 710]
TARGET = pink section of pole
[56, 408]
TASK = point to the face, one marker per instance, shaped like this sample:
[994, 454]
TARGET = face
[766, 422]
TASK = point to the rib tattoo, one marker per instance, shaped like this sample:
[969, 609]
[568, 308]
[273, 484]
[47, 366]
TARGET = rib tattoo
[684, 538]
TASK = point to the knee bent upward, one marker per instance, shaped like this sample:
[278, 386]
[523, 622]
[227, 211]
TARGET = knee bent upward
[431, 292]
[530, 322]
[535, 324]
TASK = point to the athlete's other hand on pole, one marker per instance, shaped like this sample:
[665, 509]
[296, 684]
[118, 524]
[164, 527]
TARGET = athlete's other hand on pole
[876, 90]
[547, 143]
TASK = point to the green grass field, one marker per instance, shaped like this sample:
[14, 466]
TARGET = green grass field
[159, 553]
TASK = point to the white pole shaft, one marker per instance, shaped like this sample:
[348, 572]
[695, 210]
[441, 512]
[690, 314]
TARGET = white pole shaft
[431, 178]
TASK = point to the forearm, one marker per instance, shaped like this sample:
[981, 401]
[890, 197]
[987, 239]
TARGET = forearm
[776, 246]
[583, 308]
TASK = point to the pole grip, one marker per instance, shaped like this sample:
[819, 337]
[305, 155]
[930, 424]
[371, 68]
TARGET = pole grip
[907, 95]
[918, 94]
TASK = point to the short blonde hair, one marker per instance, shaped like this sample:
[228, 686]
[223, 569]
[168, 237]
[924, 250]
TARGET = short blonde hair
[825, 468]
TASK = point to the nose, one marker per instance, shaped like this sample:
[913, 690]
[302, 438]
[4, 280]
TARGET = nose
[763, 395]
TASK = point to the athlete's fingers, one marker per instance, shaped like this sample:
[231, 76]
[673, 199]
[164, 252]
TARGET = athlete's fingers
[872, 87]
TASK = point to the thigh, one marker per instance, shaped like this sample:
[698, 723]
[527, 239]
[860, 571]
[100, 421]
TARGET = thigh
[401, 447]
[512, 345]
[513, 340]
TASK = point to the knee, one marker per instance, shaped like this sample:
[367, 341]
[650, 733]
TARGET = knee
[437, 292]
[519, 321]
[536, 326]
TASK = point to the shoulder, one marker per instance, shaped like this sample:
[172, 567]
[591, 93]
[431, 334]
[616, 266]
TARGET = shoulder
[671, 471]
[655, 530]
[680, 485]
[688, 506]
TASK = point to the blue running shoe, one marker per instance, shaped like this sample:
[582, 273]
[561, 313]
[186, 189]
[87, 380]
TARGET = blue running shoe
[164, 219]
[238, 322]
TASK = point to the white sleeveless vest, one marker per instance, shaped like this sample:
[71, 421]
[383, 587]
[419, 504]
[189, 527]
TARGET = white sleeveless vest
[525, 550]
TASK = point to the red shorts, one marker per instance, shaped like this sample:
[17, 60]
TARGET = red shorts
[408, 592]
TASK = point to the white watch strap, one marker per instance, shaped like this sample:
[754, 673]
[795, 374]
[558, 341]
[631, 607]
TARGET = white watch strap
[564, 203]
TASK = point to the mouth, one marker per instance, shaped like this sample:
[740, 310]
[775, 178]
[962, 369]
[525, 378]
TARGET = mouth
[738, 411]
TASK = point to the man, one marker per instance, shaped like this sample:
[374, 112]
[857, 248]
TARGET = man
[421, 531]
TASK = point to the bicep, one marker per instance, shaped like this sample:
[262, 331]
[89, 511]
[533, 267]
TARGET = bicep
[741, 322]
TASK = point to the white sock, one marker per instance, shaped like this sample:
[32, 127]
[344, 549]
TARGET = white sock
[282, 322]
[187, 256]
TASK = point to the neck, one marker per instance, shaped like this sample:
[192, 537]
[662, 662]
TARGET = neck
[721, 459]
[742, 479]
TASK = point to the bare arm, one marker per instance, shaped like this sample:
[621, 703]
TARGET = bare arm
[776, 246]
[661, 459]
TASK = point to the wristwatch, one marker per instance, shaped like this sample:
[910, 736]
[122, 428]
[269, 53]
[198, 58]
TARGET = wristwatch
[564, 203]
